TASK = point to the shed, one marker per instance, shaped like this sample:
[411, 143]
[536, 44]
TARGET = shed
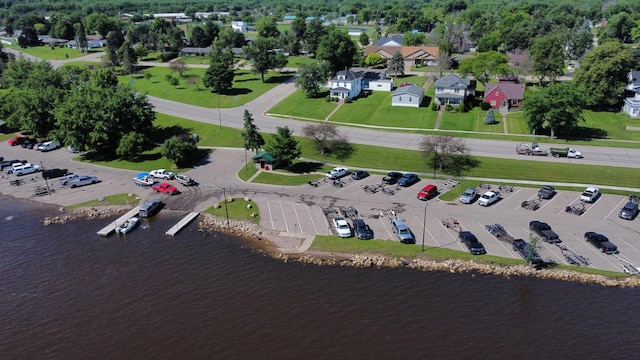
[409, 95]
[380, 85]
[264, 160]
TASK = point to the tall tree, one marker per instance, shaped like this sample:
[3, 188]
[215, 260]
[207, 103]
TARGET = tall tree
[220, 73]
[101, 23]
[443, 150]
[325, 137]
[484, 66]
[603, 74]
[314, 33]
[337, 49]
[618, 27]
[263, 57]
[396, 65]
[556, 108]
[81, 37]
[299, 27]
[267, 27]
[128, 58]
[312, 77]
[364, 39]
[253, 140]
[284, 147]
[548, 56]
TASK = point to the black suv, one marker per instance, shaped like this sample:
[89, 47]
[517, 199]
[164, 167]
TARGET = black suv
[543, 230]
[392, 178]
[475, 247]
[362, 230]
[54, 173]
[359, 174]
[546, 192]
[601, 242]
[522, 247]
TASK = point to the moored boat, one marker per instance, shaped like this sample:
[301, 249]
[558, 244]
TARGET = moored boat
[128, 225]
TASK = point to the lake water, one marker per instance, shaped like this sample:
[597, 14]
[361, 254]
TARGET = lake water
[66, 293]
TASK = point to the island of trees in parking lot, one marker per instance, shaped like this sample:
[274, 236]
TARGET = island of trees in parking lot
[90, 111]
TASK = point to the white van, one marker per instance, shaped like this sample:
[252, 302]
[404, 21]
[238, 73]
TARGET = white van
[49, 145]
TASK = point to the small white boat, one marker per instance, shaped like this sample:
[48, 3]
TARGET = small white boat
[143, 179]
[128, 225]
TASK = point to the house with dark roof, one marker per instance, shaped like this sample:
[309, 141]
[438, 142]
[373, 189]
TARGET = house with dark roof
[452, 89]
[345, 84]
[504, 96]
[409, 95]
[632, 105]
[412, 55]
[264, 160]
[634, 80]
[199, 51]
[392, 40]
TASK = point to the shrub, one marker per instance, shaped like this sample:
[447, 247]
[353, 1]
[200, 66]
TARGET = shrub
[490, 117]
[462, 108]
[448, 107]
[347, 100]
[168, 55]
[485, 106]
[327, 98]
[434, 106]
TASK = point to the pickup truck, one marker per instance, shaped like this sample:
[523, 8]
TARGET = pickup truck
[342, 227]
[523, 248]
[533, 149]
[543, 230]
[566, 152]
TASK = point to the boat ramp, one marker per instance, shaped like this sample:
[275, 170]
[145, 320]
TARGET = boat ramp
[111, 227]
[182, 223]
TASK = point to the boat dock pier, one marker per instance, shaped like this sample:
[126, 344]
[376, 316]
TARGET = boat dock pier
[182, 223]
[109, 229]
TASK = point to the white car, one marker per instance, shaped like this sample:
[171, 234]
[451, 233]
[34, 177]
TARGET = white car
[488, 198]
[337, 173]
[162, 174]
[26, 169]
[342, 227]
[590, 194]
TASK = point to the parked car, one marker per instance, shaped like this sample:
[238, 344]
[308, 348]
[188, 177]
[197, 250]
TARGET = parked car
[165, 188]
[29, 143]
[403, 232]
[362, 230]
[475, 247]
[522, 248]
[150, 208]
[65, 180]
[546, 192]
[427, 192]
[9, 163]
[14, 166]
[17, 140]
[342, 227]
[408, 179]
[489, 198]
[359, 174]
[185, 180]
[83, 180]
[543, 230]
[49, 145]
[391, 178]
[337, 173]
[54, 173]
[590, 194]
[469, 196]
[601, 242]
[26, 169]
[629, 211]
[162, 174]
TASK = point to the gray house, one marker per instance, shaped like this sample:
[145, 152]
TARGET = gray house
[452, 89]
[409, 95]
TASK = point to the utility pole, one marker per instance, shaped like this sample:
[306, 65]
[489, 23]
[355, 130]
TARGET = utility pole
[424, 223]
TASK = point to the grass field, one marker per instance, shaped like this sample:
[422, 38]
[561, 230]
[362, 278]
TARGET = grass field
[237, 209]
[247, 86]
[470, 121]
[195, 60]
[45, 52]
[298, 105]
[210, 135]
[296, 61]
[516, 123]
[116, 199]
[613, 124]
[286, 180]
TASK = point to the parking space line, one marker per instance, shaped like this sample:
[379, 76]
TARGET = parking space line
[297, 218]
[616, 207]
[597, 252]
[453, 237]
[544, 244]
[385, 227]
[499, 242]
[311, 217]
[548, 202]
[273, 226]
[426, 230]
[628, 244]
[284, 217]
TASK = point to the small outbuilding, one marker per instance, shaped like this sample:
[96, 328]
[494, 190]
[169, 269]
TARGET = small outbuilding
[409, 95]
[264, 160]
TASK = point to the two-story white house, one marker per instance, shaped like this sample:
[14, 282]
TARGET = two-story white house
[452, 89]
[345, 84]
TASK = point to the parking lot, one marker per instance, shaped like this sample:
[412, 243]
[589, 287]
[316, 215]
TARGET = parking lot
[601, 216]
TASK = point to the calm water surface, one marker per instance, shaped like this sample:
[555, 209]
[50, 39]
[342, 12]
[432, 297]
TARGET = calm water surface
[66, 293]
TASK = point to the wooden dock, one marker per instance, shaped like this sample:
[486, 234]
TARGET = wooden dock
[109, 229]
[182, 223]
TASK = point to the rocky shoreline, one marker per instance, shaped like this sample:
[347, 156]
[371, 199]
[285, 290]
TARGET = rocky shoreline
[271, 243]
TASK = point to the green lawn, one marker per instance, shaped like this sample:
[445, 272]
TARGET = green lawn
[237, 209]
[210, 135]
[195, 59]
[45, 52]
[469, 121]
[116, 199]
[247, 86]
[613, 124]
[298, 105]
[247, 172]
[287, 180]
[296, 61]
[516, 124]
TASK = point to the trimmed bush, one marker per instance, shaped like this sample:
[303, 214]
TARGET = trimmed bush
[434, 106]
[485, 106]
[490, 117]
[347, 100]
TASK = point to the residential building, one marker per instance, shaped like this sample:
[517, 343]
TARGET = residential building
[452, 89]
[391, 40]
[412, 55]
[504, 96]
[409, 95]
[288, 19]
[634, 80]
[632, 105]
[345, 84]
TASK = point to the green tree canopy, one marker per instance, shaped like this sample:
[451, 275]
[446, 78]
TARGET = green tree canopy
[312, 77]
[284, 147]
[556, 108]
[263, 57]
[484, 66]
[548, 57]
[603, 74]
[337, 49]
[396, 65]
[314, 33]
[253, 140]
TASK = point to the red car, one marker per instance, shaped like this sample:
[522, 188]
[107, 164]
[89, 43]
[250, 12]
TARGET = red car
[16, 141]
[164, 188]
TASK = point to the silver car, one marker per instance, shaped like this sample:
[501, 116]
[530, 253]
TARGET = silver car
[468, 196]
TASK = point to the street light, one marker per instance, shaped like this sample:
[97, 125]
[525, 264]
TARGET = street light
[424, 223]
[45, 178]
[224, 194]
